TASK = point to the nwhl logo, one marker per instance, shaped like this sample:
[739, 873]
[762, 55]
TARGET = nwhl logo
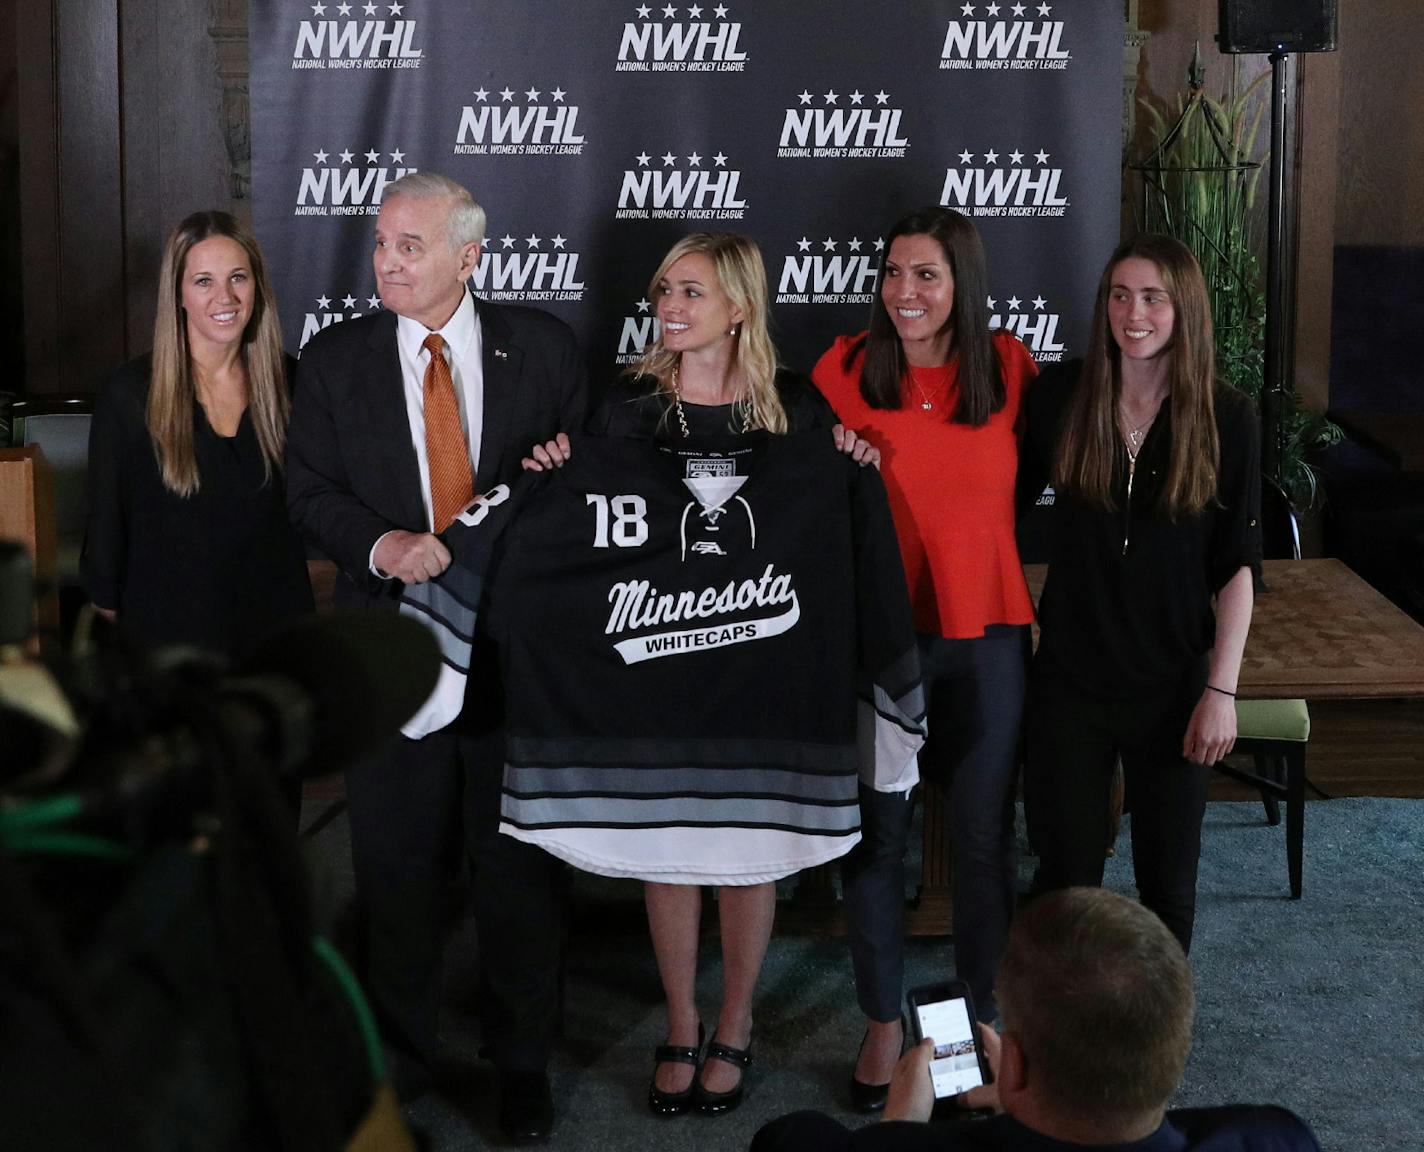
[333, 310]
[853, 129]
[362, 36]
[673, 45]
[639, 330]
[1015, 41]
[1009, 189]
[537, 127]
[666, 191]
[1032, 323]
[348, 187]
[830, 271]
[536, 274]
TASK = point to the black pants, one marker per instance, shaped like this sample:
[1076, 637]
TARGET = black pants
[974, 693]
[1074, 741]
[413, 805]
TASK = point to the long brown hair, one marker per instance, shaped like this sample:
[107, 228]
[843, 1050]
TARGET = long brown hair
[1089, 445]
[742, 276]
[981, 383]
[172, 391]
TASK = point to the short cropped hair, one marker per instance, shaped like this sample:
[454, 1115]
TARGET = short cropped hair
[1099, 994]
[466, 222]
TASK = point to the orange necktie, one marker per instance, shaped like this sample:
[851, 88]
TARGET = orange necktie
[452, 486]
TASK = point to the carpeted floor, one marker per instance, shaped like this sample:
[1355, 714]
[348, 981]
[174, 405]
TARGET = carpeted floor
[1316, 1004]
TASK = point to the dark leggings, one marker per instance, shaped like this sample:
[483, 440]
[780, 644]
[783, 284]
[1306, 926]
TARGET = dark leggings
[974, 692]
[1074, 741]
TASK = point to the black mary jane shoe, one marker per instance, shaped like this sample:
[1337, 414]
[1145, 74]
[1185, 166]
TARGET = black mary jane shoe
[662, 1103]
[715, 1103]
[869, 1098]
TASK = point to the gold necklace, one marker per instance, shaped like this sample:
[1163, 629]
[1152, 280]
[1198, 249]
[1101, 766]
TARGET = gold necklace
[926, 404]
[743, 406]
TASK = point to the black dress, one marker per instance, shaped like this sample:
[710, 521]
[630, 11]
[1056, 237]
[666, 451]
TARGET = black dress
[219, 569]
[633, 406]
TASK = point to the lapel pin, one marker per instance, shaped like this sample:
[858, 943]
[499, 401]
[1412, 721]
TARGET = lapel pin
[501, 354]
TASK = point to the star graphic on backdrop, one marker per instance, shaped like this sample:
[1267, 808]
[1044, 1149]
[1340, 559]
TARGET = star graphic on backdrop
[373, 157]
[853, 243]
[397, 156]
[344, 9]
[966, 157]
[1044, 9]
[882, 96]
[643, 10]
[481, 94]
[346, 155]
[642, 158]
[1014, 303]
[558, 94]
[1015, 157]
[507, 240]
[373, 301]
[669, 159]
[349, 302]
[695, 12]
[533, 94]
[803, 245]
[880, 243]
[856, 97]
[506, 94]
[830, 97]
[719, 160]
[1039, 302]
[694, 160]
[319, 157]
[644, 305]
[720, 11]
[804, 97]
[1018, 9]
[828, 244]
[968, 9]
[991, 157]
[532, 241]
[323, 302]
[369, 8]
[395, 9]
[318, 9]
[1041, 156]
[558, 241]
[669, 11]
[992, 10]
[991, 302]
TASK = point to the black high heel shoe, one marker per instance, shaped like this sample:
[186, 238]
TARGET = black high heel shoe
[715, 1103]
[871, 1097]
[662, 1103]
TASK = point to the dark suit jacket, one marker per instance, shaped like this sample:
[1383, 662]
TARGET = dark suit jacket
[352, 473]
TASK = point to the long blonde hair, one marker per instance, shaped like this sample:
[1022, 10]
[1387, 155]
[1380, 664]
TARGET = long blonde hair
[172, 391]
[1089, 442]
[737, 262]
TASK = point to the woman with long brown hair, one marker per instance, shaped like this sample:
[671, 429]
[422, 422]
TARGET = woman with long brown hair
[188, 539]
[939, 393]
[1153, 542]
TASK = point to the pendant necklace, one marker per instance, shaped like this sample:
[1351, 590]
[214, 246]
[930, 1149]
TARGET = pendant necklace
[742, 406]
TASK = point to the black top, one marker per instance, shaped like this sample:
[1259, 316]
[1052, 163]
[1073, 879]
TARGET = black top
[218, 569]
[1128, 600]
[633, 406]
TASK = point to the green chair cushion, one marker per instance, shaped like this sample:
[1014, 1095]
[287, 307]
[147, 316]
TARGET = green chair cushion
[1272, 720]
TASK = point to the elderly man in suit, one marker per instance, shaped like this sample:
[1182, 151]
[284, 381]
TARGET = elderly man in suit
[399, 418]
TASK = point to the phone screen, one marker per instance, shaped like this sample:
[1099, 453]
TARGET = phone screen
[954, 1067]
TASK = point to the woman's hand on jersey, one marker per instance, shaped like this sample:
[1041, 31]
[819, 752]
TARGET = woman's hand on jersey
[863, 452]
[553, 453]
[1211, 732]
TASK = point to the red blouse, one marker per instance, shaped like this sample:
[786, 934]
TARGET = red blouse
[951, 488]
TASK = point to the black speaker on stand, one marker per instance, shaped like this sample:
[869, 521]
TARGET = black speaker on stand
[1277, 27]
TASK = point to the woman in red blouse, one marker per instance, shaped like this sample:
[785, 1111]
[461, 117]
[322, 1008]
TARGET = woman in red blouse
[939, 394]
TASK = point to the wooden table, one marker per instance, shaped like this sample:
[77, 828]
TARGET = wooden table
[1319, 632]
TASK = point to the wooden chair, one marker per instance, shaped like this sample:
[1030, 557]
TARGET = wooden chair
[1275, 732]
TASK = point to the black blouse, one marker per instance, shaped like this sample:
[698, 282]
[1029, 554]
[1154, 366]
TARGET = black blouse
[218, 569]
[1127, 605]
[632, 406]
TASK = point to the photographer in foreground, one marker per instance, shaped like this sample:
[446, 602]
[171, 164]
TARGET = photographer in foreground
[1096, 999]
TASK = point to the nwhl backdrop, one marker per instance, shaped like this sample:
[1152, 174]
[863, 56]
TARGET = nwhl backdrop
[596, 132]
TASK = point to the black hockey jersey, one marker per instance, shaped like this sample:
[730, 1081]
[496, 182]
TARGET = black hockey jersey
[685, 630]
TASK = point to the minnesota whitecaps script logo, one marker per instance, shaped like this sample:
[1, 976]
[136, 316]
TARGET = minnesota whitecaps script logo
[637, 605]
[659, 41]
[528, 123]
[349, 36]
[1016, 37]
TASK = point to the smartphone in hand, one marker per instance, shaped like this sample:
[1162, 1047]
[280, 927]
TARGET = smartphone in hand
[946, 1013]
